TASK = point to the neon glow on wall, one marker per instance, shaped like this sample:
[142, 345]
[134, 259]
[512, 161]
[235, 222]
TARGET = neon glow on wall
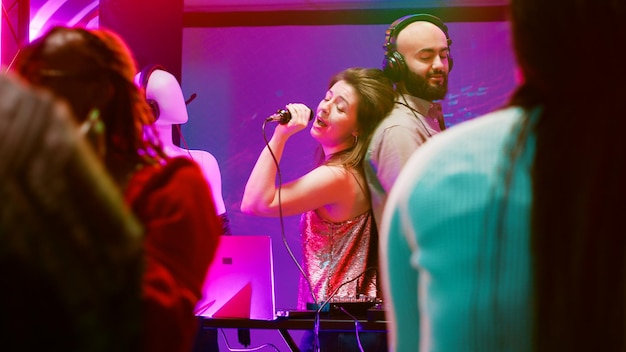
[48, 13]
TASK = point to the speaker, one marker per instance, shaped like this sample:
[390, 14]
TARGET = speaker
[394, 65]
[144, 77]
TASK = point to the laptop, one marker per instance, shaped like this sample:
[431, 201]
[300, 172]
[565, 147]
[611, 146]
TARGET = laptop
[240, 280]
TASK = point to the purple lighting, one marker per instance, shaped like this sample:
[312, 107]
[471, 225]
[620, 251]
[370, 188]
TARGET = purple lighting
[48, 13]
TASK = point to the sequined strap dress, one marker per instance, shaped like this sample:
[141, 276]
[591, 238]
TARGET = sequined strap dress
[335, 253]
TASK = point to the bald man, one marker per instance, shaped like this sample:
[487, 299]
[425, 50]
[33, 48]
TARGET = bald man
[417, 59]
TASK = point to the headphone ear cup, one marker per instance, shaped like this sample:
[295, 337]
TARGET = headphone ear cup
[144, 77]
[394, 66]
[154, 106]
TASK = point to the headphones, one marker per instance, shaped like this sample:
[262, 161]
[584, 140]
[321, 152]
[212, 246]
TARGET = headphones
[144, 77]
[394, 65]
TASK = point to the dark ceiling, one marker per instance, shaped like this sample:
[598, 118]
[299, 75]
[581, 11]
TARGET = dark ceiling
[317, 5]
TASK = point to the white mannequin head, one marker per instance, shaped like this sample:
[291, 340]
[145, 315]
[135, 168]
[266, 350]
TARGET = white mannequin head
[163, 89]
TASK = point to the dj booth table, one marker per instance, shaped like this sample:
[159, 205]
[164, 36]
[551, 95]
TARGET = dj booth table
[284, 324]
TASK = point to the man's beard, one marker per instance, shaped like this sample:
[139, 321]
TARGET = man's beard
[418, 86]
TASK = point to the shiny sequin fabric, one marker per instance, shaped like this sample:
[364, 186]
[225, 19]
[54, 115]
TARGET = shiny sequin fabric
[335, 253]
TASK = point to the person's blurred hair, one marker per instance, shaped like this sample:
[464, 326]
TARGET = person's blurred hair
[94, 70]
[70, 250]
[573, 79]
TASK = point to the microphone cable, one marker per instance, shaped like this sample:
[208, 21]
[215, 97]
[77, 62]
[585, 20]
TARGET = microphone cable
[182, 138]
[316, 323]
[406, 104]
[280, 214]
[328, 300]
[249, 349]
[180, 132]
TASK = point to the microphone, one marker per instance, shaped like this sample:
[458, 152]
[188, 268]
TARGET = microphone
[283, 116]
[191, 98]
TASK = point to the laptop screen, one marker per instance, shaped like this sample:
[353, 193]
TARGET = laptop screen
[240, 280]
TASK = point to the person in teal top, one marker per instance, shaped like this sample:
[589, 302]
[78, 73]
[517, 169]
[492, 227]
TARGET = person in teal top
[442, 239]
[505, 233]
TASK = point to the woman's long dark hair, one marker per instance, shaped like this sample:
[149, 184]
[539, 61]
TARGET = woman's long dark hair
[69, 247]
[94, 70]
[569, 54]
